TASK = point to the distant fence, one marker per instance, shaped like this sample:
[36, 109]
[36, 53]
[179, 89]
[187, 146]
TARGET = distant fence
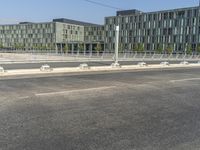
[128, 56]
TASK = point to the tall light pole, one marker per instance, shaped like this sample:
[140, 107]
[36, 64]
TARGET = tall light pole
[117, 45]
[116, 63]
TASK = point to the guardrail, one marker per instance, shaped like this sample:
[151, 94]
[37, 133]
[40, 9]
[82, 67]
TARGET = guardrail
[131, 56]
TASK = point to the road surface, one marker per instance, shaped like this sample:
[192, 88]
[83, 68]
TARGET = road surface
[146, 110]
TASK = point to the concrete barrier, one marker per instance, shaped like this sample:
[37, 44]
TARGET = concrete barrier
[84, 66]
[2, 69]
[92, 69]
[45, 68]
[142, 64]
[184, 63]
[165, 63]
[115, 65]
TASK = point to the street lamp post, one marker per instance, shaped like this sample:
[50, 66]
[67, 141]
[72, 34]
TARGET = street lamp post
[116, 59]
[117, 45]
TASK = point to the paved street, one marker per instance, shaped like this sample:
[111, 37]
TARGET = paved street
[75, 64]
[132, 110]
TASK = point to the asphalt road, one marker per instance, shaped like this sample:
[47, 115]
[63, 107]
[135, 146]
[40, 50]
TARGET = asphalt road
[146, 110]
[74, 64]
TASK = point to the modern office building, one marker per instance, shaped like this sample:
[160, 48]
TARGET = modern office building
[76, 33]
[177, 28]
[51, 35]
[94, 34]
[28, 35]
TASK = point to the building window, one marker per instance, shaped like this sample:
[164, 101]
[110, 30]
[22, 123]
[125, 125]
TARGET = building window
[171, 15]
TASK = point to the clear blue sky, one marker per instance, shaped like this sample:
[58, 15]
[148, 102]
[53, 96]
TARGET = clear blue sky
[12, 11]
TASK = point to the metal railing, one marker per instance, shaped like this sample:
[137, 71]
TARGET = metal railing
[128, 56]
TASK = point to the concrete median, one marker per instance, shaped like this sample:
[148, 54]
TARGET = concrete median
[91, 69]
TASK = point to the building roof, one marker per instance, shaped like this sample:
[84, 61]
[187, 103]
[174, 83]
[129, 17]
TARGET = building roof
[26, 22]
[128, 12]
[133, 12]
[64, 20]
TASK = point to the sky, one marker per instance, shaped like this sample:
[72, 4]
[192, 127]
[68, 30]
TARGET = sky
[14, 11]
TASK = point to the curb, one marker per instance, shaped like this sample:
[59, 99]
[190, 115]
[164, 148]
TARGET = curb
[91, 69]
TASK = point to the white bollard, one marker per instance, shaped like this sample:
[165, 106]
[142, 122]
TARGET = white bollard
[184, 63]
[115, 65]
[84, 66]
[142, 64]
[45, 68]
[2, 69]
[165, 63]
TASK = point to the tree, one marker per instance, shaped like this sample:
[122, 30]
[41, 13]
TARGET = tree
[198, 48]
[24, 47]
[189, 49]
[66, 48]
[159, 49]
[34, 47]
[81, 47]
[38, 47]
[44, 47]
[21, 46]
[16, 46]
[140, 47]
[98, 48]
[135, 47]
[169, 49]
[48, 47]
[1, 45]
[121, 48]
[12, 46]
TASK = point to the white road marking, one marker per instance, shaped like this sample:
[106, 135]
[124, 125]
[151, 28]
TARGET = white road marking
[182, 80]
[23, 97]
[79, 90]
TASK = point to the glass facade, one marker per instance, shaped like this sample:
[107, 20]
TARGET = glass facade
[178, 28]
[94, 34]
[28, 35]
